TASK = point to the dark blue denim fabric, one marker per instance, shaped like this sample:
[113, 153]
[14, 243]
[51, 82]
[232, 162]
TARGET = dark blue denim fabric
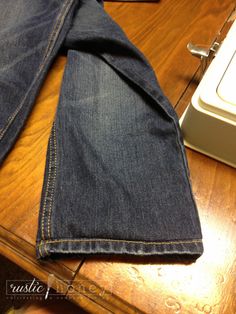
[116, 177]
[31, 33]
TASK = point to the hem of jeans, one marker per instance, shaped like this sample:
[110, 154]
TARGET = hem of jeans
[46, 248]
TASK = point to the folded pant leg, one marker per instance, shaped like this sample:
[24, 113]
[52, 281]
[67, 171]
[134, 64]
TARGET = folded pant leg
[116, 178]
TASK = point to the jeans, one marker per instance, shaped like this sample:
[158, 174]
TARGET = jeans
[116, 177]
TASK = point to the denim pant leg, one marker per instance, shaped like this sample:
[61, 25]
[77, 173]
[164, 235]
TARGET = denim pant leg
[116, 177]
[31, 32]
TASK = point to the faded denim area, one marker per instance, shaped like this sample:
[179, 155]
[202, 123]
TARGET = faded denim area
[116, 178]
[119, 164]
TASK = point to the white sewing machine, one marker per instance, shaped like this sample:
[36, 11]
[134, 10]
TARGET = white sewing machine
[209, 122]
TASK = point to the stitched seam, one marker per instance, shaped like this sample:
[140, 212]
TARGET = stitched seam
[46, 250]
[54, 148]
[120, 241]
[56, 27]
[47, 187]
[55, 32]
[40, 250]
[158, 251]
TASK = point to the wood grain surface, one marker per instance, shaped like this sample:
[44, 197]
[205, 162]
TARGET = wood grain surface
[161, 31]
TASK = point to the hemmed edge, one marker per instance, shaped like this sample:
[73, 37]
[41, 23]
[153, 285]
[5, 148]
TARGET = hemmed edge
[46, 248]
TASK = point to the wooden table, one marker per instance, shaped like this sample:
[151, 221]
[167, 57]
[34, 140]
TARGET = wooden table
[161, 31]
